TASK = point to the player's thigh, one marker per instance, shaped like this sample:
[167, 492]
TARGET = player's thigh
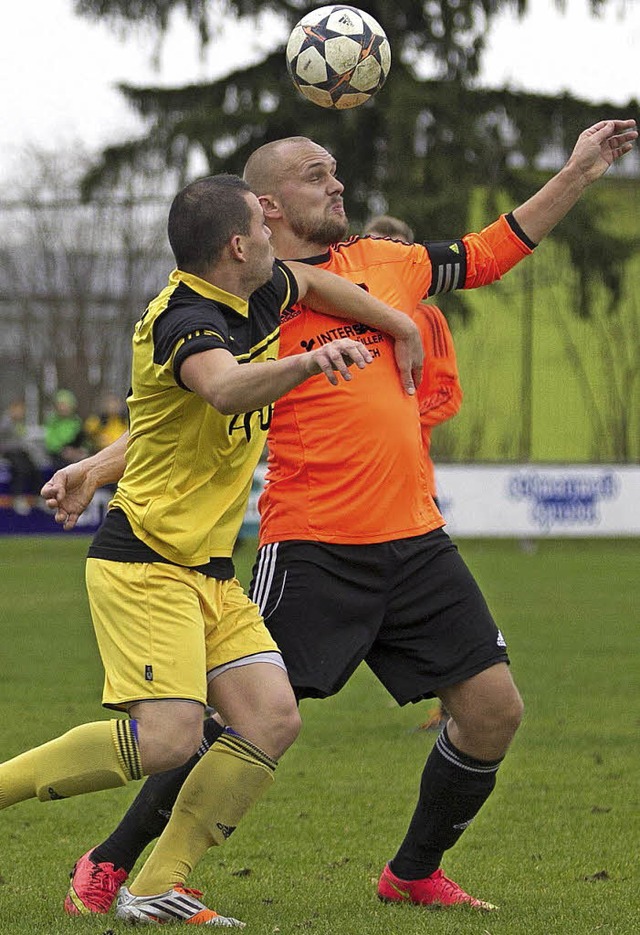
[150, 631]
[234, 627]
[323, 604]
[438, 630]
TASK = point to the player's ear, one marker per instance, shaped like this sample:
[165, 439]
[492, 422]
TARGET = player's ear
[236, 248]
[270, 207]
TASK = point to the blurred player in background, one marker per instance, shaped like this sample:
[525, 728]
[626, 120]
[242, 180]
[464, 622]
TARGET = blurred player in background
[353, 563]
[439, 393]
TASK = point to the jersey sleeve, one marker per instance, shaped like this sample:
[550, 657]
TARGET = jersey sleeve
[188, 329]
[477, 259]
[440, 393]
[285, 286]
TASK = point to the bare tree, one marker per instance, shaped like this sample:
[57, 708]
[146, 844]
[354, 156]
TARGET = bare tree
[75, 276]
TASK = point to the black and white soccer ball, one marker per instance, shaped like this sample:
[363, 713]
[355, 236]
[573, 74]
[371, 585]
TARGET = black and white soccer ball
[338, 56]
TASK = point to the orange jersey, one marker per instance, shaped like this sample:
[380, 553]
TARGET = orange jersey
[439, 393]
[346, 462]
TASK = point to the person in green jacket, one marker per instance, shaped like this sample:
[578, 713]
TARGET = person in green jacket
[64, 436]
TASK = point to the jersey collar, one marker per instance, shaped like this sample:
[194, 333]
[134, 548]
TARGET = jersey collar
[315, 260]
[209, 291]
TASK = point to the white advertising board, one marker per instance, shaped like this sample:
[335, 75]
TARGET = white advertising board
[540, 500]
[527, 501]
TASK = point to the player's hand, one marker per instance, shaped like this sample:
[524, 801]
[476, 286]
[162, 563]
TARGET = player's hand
[599, 146]
[409, 354]
[337, 357]
[69, 492]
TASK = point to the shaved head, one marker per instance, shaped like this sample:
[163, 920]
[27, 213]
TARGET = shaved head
[295, 180]
[266, 168]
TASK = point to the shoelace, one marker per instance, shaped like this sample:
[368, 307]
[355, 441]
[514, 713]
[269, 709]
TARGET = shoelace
[102, 886]
[452, 888]
[104, 880]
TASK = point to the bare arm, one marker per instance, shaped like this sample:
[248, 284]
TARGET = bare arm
[70, 491]
[326, 292]
[596, 149]
[230, 387]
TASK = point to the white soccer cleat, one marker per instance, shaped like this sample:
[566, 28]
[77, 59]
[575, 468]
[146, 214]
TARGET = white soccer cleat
[176, 905]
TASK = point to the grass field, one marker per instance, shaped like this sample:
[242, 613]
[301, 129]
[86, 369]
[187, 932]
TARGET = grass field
[556, 847]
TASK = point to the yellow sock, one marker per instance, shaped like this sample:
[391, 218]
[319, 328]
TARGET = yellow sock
[100, 755]
[217, 793]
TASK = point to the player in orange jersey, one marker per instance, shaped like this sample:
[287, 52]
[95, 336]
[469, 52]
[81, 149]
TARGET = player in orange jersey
[353, 564]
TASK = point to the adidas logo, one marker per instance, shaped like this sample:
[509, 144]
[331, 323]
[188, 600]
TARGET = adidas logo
[227, 830]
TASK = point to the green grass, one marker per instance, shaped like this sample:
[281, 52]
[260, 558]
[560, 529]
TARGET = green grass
[556, 847]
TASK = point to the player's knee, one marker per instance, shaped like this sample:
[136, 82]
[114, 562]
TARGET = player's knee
[511, 714]
[170, 751]
[279, 727]
[503, 716]
[285, 725]
[169, 742]
[292, 725]
[494, 719]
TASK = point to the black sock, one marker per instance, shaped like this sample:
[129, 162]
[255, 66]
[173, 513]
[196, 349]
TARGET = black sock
[150, 810]
[454, 786]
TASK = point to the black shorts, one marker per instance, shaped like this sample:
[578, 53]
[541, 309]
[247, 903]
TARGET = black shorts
[410, 609]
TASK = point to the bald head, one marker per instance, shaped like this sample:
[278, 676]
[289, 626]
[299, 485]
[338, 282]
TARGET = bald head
[270, 164]
[295, 182]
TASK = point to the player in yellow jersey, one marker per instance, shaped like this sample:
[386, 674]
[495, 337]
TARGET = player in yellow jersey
[174, 628]
[353, 563]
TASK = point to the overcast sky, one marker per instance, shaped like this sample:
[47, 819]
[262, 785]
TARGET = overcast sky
[58, 72]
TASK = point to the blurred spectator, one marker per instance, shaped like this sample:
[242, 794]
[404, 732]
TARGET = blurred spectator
[64, 436]
[18, 451]
[108, 424]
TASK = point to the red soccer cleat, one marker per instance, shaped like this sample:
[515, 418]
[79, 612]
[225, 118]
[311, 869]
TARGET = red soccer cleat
[436, 890]
[93, 887]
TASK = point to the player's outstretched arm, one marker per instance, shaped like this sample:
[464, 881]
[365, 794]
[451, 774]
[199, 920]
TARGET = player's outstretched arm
[326, 292]
[596, 149]
[70, 491]
[233, 388]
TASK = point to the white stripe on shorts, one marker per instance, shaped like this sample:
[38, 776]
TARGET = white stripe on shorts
[264, 575]
[273, 658]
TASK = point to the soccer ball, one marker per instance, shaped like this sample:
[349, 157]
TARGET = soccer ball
[338, 56]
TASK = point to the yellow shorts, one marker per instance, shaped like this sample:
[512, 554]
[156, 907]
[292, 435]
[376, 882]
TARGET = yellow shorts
[161, 628]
